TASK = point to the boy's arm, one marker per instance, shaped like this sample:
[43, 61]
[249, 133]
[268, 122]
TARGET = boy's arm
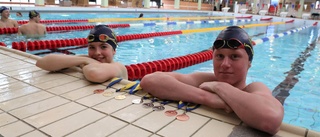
[255, 106]
[15, 23]
[185, 87]
[55, 62]
[101, 72]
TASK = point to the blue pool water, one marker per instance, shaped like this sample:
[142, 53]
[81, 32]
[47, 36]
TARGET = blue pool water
[274, 60]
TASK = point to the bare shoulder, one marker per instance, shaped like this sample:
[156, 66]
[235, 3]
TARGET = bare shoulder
[22, 27]
[13, 21]
[41, 25]
[257, 87]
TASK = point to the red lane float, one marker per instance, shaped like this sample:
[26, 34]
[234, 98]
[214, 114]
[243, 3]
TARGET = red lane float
[53, 21]
[315, 24]
[63, 28]
[266, 19]
[244, 17]
[3, 44]
[290, 21]
[52, 44]
[8, 30]
[138, 71]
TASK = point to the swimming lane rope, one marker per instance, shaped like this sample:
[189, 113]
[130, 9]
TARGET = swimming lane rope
[86, 27]
[52, 44]
[120, 19]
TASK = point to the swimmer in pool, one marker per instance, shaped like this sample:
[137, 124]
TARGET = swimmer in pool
[33, 29]
[5, 22]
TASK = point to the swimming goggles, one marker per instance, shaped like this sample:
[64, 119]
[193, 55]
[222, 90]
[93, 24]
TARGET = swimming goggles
[231, 43]
[101, 38]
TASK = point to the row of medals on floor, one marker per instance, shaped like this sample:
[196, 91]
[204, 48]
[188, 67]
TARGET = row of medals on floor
[133, 87]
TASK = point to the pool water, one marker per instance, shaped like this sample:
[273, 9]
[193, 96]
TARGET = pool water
[287, 64]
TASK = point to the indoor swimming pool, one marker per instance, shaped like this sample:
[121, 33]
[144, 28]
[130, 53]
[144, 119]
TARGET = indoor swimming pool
[288, 65]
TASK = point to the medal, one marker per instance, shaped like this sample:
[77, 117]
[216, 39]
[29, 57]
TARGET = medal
[183, 117]
[120, 97]
[171, 113]
[98, 91]
[147, 105]
[158, 108]
[137, 101]
[108, 93]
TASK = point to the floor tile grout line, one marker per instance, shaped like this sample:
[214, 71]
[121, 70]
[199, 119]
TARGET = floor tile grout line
[195, 132]
[38, 89]
[35, 130]
[27, 104]
[21, 120]
[221, 120]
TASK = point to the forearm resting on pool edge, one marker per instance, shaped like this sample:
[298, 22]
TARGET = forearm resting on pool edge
[55, 62]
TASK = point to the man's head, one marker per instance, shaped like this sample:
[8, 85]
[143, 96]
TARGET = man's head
[233, 54]
[102, 43]
[5, 13]
[234, 37]
[34, 15]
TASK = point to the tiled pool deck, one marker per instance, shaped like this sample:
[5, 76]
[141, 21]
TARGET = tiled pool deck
[36, 103]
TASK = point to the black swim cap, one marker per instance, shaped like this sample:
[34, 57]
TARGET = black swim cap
[235, 33]
[107, 36]
[33, 14]
[2, 8]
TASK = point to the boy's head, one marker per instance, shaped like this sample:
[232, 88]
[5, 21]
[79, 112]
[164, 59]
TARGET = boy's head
[4, 12]
[102, 33]
[234, 37]
[33, 14]
[3, 8]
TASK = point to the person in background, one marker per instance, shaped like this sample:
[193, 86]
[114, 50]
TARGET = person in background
[98, 66]
[33, 28]
[141, 15]
[19, 14]
[5, 22]
[226, 88]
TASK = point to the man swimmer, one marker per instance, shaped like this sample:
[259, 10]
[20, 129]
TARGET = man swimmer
[5, 22]
[33, 28]
[98, 66]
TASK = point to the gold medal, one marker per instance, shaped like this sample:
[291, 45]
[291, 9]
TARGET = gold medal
[171, 113]
[183, 117]
[120, 97]
[98, 91]
[108, 93]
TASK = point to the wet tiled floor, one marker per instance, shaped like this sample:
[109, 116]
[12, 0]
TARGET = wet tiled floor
[36, 103]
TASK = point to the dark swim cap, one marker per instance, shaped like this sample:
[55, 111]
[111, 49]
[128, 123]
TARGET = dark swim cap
[235, 33]
[107, 36]
[2, 8]
[33, 14]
